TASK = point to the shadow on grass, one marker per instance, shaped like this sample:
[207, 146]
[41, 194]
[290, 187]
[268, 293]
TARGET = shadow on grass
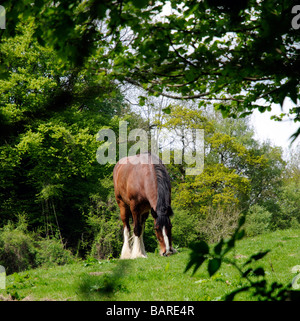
[101, 286]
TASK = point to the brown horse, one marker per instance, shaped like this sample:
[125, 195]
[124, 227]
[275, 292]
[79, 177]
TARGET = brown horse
[141, 184]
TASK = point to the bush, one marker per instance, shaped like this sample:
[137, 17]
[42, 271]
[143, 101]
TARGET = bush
[105, 229]
[183, 231]
[289, 204]
[220, 222]
[52, 252]
[21, 250]
[258, 221]
[107, 242]
[17, 249]
[189, 227]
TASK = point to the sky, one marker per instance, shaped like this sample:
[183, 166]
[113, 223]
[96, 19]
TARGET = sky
[278, 133]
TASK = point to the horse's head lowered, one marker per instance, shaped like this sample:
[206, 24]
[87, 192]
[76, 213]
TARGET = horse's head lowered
[163, 229]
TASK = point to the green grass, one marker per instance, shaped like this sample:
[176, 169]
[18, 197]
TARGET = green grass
[156, 278]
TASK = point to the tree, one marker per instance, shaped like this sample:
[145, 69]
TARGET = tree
[50, 114]
[288, 194]
[246, 53]
[232, 158]
[238, 172]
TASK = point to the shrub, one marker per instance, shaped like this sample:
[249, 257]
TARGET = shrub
[219, 223]
[107, 242]
[258, 221]
[105, 229]
[183, 231]
[289, 203]
[21, 250]
[50, 251]
[17, 249]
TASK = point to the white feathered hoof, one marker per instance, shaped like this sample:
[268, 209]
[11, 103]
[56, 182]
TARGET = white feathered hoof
[138, 249]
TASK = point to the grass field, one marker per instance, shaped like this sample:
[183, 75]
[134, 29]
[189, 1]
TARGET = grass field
[156, 278]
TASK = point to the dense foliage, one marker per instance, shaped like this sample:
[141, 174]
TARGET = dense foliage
[63, 69]
[50, 116]
[246, 52]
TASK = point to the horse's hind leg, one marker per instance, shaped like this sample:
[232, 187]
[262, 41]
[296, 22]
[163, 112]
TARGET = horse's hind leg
[125, 214]
[138, 249]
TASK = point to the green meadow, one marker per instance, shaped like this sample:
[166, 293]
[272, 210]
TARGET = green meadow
[156, 278]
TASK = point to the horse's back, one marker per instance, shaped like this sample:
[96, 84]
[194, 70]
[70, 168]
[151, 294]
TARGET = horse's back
[134, 179]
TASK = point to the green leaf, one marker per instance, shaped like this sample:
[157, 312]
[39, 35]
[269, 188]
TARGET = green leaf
[262, 109]
[213, 266]
[167, 110]
[140, 3]
[142, 101]
[294, 93]
[190, 75]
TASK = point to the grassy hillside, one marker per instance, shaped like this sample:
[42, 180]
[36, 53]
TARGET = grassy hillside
[155, 278]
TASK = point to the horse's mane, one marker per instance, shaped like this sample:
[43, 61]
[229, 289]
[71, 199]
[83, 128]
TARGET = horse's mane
[163, 205]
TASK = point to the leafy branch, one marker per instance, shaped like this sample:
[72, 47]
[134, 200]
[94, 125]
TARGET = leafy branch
[255, 277]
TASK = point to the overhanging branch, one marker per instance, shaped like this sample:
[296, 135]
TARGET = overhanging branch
[204, 95]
